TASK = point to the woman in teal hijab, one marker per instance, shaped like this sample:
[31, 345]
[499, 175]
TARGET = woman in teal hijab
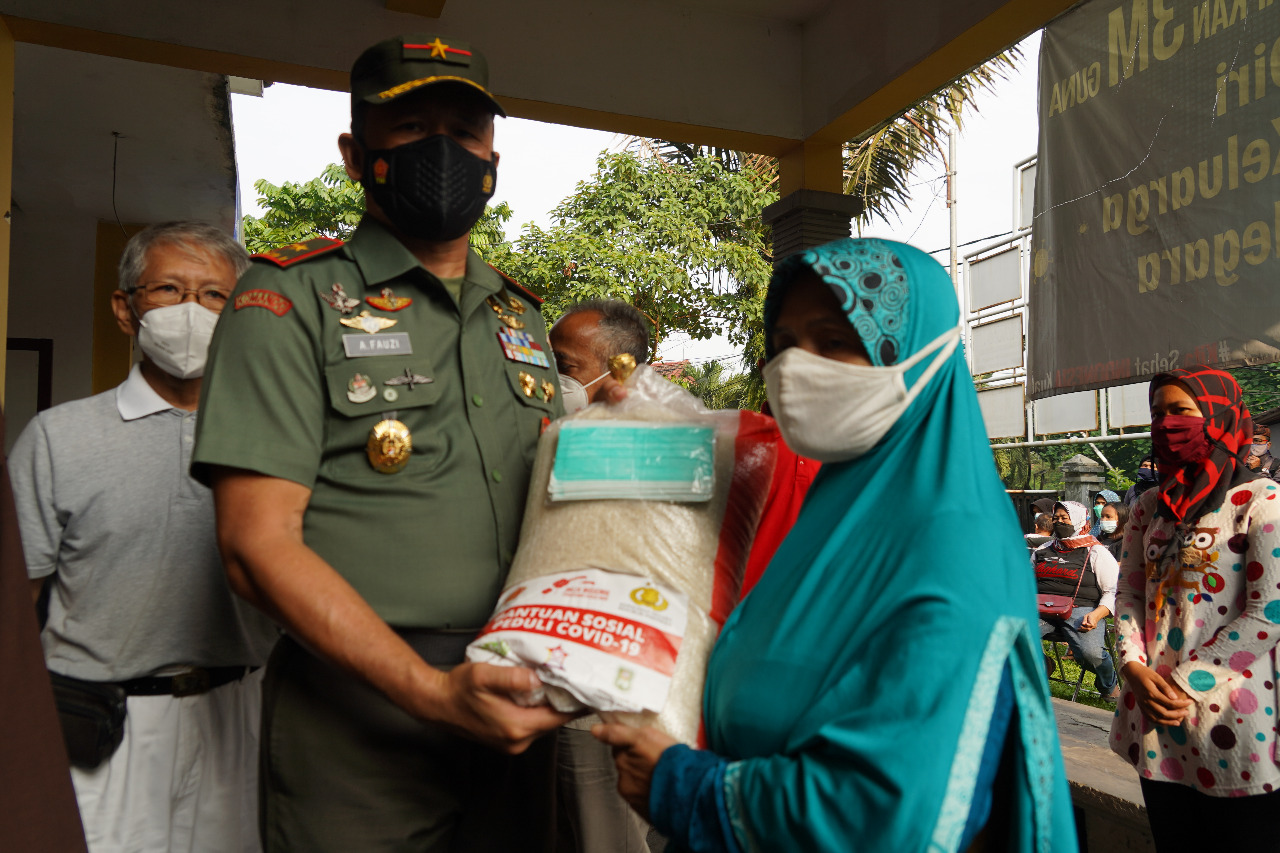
[879, 689]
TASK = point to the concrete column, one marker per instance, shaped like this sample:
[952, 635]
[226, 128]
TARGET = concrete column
[1082, 479]
[813, 208]
[808, 218]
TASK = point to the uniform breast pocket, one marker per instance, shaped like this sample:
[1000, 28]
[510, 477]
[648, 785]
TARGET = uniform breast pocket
[362, 392]
[536, 391]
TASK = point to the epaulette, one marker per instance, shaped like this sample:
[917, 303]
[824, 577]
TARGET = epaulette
[284, 256]
[524, 291]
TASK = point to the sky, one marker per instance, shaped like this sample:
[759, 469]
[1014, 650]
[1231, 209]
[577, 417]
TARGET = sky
[290, 134]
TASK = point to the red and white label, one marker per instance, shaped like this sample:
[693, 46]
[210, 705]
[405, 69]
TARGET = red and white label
[610, 639]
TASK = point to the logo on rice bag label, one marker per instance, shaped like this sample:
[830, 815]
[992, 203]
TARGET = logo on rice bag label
[647, 596]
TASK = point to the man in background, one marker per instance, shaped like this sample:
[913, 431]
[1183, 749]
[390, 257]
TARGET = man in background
[586, 337]
[592, 816]
[1260, 458]
[113, 522]
[1043, 531]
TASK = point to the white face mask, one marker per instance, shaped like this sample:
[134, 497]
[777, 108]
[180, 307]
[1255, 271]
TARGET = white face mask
[574, 393]
[1108, 525]
[832, 411]
[176, 338]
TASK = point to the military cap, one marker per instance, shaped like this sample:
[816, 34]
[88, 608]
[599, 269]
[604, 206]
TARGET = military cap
[406, 63]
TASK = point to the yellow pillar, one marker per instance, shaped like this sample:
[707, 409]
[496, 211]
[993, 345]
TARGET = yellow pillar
[6, 185]
[112, 350]
[812, 165]
[812, 208]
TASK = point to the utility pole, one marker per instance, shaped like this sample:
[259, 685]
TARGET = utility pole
[951, 206]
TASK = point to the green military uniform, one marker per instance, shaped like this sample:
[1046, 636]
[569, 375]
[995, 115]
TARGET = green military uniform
[321, 343]
[430, 545]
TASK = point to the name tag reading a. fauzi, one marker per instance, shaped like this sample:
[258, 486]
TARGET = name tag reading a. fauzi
[387, 343]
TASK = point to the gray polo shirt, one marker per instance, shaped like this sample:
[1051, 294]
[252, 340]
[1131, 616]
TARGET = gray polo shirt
[107, 508]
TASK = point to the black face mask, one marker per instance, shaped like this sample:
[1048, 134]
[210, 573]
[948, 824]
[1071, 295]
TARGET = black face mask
[1063, 530]
[433, 189]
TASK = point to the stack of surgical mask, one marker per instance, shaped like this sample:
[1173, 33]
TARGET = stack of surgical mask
[633, 460]
[625, 572]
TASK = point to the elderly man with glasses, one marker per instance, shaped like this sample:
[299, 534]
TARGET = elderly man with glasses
[121, 540]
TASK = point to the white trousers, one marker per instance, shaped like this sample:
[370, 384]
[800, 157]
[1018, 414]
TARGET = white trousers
[185, 778]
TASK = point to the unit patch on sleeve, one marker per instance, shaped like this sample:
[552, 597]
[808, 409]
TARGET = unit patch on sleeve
[273, 302]
[520, 346]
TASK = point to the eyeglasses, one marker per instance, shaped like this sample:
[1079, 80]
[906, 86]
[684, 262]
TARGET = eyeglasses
[163, 294]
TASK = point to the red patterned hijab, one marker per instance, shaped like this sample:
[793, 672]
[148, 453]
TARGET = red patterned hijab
[1190, 491]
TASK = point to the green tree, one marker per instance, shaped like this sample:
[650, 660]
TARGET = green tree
[331, 206]
[1261, 386]
[682, 243]
[880, 164]
[716, 387]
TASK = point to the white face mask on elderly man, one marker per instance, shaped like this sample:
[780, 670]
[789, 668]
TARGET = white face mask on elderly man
[176, 338]
[833, 411]
[574, 393]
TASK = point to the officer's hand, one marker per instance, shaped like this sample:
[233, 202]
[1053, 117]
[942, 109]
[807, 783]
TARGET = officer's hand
[476, 698]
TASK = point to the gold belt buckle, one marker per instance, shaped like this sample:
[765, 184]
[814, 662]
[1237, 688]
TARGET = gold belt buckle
[191, 683]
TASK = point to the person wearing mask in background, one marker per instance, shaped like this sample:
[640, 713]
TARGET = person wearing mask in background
[591, 815]
[1075, 563]
[1100, 500]
[1197, 619]
[867, 695]
[113, 522]
[586, 337]
[1043, 532]
[1115, 516]
[1148, 477]
[1259, 458]
[369, 423]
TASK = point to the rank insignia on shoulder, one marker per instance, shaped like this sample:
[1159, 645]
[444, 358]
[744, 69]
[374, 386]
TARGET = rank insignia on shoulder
[367, 322]
[272, 301]
[512, 284]
[338, 300]
[283, 256]
[521, 347]
[388, 301]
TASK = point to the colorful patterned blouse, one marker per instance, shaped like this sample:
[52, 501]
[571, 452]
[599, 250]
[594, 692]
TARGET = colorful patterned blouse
[1212, 628]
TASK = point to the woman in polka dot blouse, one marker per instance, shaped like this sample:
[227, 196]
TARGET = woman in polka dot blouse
[1198, 612]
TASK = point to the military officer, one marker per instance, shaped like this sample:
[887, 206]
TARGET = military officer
[369, 420]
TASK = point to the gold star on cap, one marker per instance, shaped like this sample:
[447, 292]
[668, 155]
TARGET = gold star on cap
[437, 48]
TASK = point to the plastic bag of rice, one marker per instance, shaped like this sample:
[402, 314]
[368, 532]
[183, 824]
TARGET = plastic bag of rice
[638, 524]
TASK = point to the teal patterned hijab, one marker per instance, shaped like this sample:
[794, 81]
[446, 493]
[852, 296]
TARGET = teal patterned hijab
[870, 280]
